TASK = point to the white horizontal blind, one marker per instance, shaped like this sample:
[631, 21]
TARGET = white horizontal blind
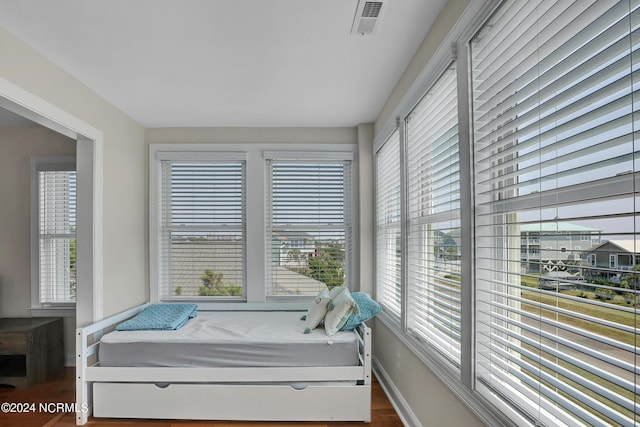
[57, 235]
[556, 211]
[433, 210]
[308, 226]
[202, 230]
[388, 227]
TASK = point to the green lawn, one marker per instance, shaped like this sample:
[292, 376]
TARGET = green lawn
[609, 312]
[601, 312]
[612, 314]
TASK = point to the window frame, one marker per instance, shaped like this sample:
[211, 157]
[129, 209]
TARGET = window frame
[431, 303]
[43, 164]
[255, 209]
[492, 410]
[392, 310]
[458, 379]
[512, 142]
[310, 157]
[238, 160]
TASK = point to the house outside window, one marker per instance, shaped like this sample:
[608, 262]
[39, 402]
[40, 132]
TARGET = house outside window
[553, 120]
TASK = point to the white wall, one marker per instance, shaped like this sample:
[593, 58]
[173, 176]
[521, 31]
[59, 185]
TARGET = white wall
[432, 403]
[17, 146]
[125, 278]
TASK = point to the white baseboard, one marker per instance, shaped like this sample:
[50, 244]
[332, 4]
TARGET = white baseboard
[401, 406]
[69, 360]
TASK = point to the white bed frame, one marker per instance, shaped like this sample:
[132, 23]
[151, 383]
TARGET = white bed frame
[218, 393]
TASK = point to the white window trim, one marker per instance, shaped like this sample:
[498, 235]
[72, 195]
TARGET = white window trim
[312, 156]
[487, 408]
[393, 318]
[44, 163]
[255, 155]
[452, 47]
[205, 158]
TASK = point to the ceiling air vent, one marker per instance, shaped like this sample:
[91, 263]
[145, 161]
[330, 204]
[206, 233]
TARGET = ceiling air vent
[367, 17]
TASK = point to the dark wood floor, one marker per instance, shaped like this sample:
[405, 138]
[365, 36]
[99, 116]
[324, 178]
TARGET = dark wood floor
[60, 389]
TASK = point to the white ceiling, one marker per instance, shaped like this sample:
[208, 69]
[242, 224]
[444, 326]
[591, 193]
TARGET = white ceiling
[173, 63]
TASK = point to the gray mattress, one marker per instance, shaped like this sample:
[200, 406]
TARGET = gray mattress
[231, 339]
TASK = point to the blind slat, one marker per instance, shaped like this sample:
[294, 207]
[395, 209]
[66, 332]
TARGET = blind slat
[556, 284]
[308, 226]
[388, 250]
[57, 235]
[433, 254]
[202, 247]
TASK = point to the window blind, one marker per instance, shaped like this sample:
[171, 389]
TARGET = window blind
[309, 225]
[433, 211]
[388, 227]
[202, 229]
[554, 102]
[57, 235]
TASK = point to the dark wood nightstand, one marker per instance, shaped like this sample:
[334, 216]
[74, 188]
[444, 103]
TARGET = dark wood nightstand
[31, 349]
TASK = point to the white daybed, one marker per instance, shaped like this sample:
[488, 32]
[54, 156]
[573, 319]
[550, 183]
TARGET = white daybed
[328, 388]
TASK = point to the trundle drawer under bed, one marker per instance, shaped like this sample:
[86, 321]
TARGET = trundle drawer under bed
[232, 402]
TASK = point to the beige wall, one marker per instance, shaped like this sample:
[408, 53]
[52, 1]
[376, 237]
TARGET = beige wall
[253, 135]
[445, 21]
[125, 195]
[365, 202]
[428, 398]
[17, 146]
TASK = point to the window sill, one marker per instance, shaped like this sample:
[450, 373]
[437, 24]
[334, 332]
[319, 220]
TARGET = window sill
[53, 311]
